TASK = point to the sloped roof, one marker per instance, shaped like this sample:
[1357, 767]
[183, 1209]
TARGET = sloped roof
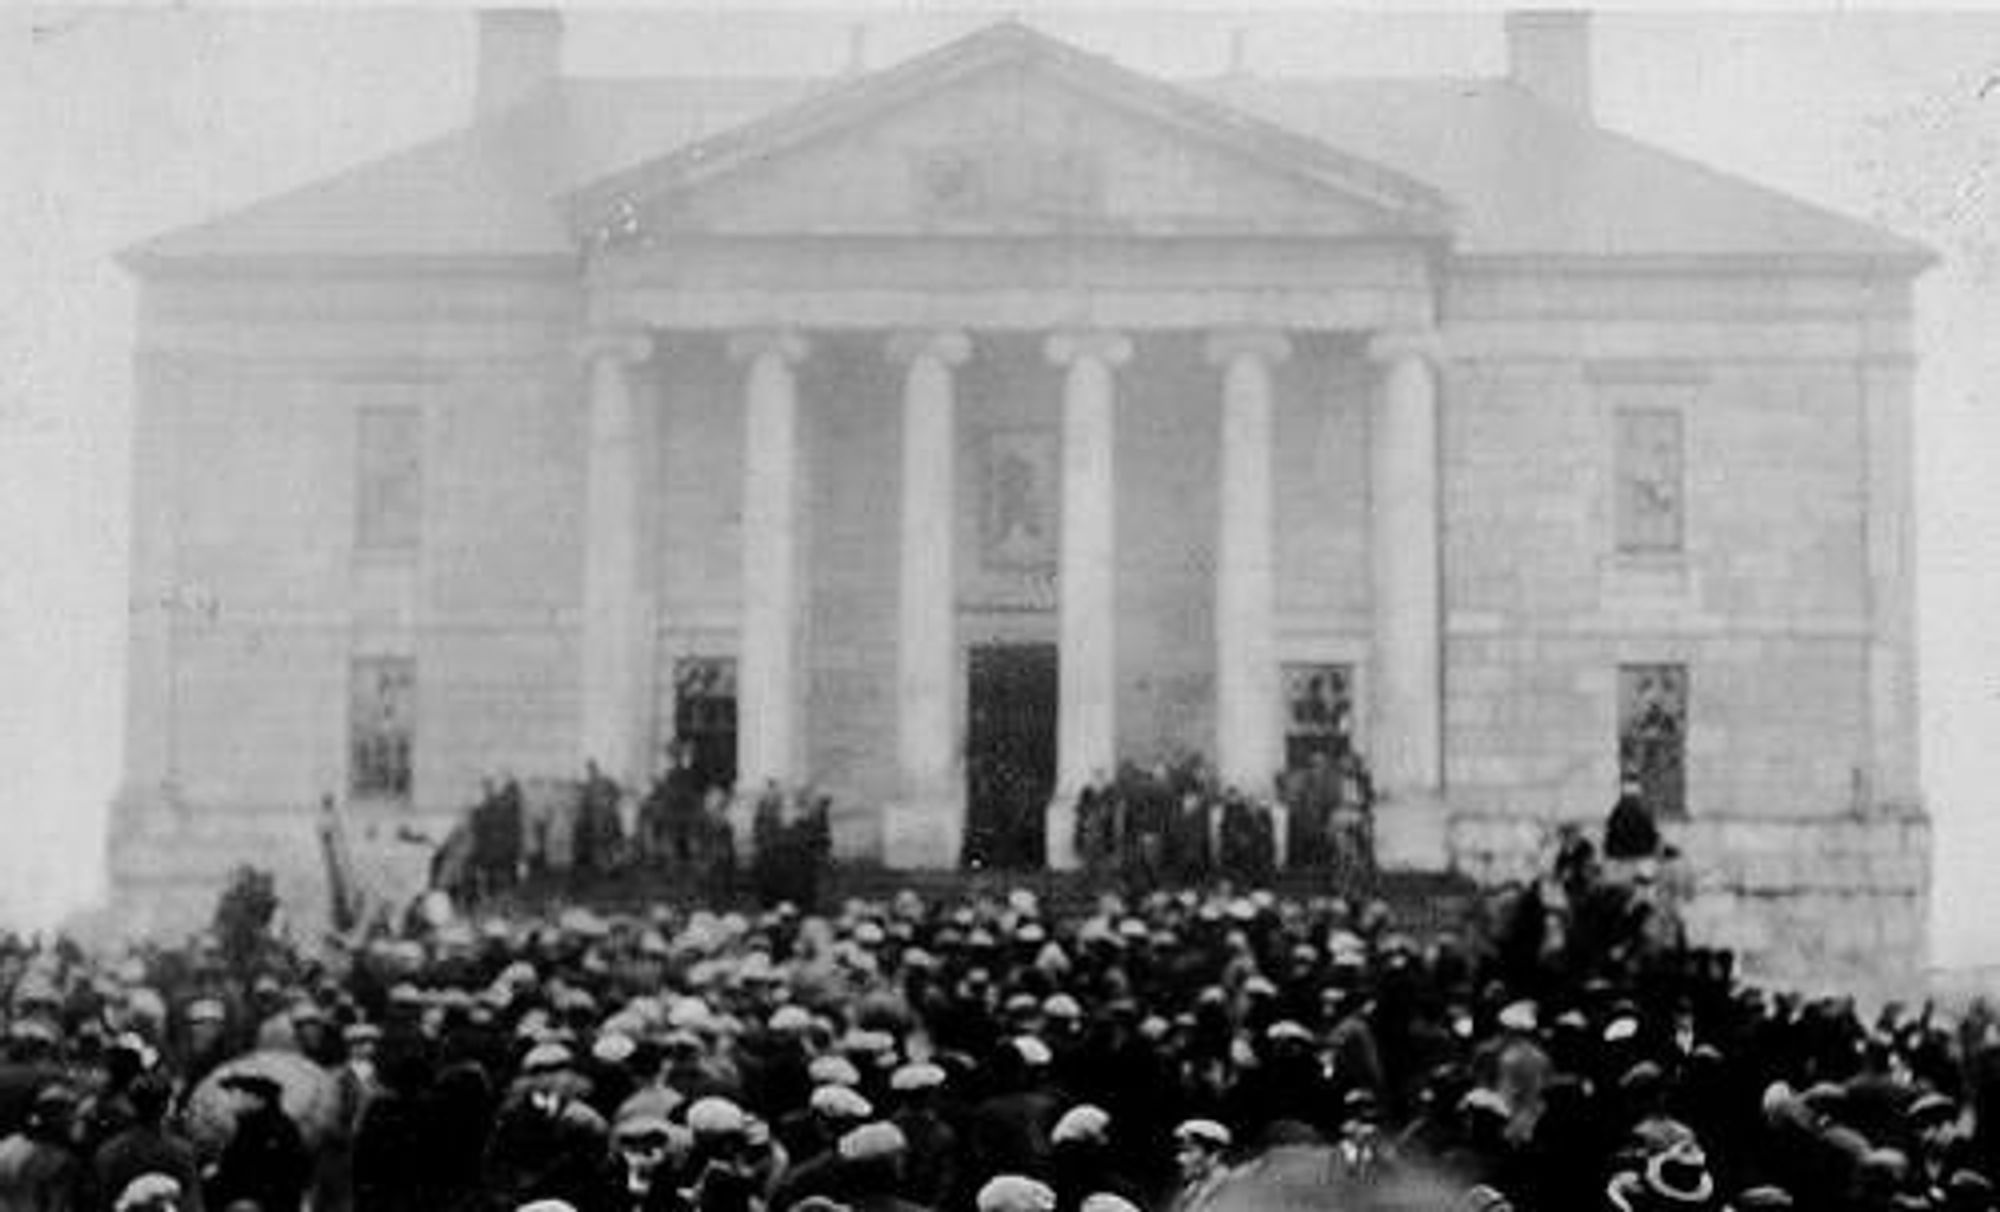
[1521, 177]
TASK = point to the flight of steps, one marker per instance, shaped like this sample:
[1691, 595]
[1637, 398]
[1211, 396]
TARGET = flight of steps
[1421, 902]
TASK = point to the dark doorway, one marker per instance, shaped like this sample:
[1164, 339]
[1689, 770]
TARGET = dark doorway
[1010, 754]
[705, 718]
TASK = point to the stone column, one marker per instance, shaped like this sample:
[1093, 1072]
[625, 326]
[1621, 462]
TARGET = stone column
[614, 677]
[1247, 748]
[926, 824]
[1404, 559]
[1087, 681]
[767, 742]
[1247, 742]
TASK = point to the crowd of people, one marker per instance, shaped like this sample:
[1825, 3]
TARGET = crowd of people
[1176, 823]
[1170, 824]
[1202, 1050]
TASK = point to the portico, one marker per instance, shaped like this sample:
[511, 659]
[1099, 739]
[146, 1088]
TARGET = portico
[983, 282]
[1228, 370]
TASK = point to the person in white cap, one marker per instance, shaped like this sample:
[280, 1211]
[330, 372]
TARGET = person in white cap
[1008, 1132]
[832, 1112]
[829, 1110]
[872, 1157]
[1083, 1163]
[547, 1141]
[1015, 1193]
[647, 1149]
[1200, 1146]
[930, 1171]
[152, 1192]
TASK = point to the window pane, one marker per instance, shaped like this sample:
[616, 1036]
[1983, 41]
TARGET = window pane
[381, 727]
[1652, 734]
[1649, 474]
[389, 484]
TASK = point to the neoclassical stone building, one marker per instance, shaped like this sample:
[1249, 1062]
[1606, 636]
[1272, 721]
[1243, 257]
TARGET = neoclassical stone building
[1009, 409]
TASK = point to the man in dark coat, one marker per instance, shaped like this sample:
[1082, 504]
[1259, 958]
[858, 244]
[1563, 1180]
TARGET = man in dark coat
[1630, 831]
[147, 1147]
[1008, 1133]
[265, 1160]
[38, 1170]
[930, 1170]
[872, 1157]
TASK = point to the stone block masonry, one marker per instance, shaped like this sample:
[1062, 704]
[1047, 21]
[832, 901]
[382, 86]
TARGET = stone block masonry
[1815, 903]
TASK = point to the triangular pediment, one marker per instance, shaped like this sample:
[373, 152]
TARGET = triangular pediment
[1008, 132]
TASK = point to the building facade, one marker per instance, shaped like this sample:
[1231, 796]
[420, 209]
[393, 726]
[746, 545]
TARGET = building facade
[1009, 410]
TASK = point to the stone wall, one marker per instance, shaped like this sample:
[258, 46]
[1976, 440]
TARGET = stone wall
[1827, 903]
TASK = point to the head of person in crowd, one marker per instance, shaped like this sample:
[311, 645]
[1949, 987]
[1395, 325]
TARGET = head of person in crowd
[150, 1192]
[206, 1024]
[1200, 1145]
[1674, 1180]
[52, 1112]
[256, 1095]
[1015, 1193]
[150, 1095]
[872, 1157]
[648, 1145]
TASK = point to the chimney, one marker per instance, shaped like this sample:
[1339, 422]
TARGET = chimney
[857, 49]
[1548, 55]
[520, 49]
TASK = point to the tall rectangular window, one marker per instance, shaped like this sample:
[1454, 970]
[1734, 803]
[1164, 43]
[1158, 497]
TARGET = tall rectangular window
[1649, 455]
[389, 497]
[381, 727]
[1652, 734]
[705, 717]
[1319, 713]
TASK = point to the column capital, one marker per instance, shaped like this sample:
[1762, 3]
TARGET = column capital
[1111, 348]
[1267, 345]
[1397, 344]
[950, 346]
[751, 344]
[624, 346]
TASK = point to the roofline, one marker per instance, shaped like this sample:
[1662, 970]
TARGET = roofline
[154, 266]
[1752, 264]
[148, 265]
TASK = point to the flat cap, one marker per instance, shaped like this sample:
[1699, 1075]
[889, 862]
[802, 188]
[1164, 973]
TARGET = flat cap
[1083, 1122]
[918, 1075]
[1015, 1193]
[839, 1102]
[1204, 1131]
[875, 1141]
[715, 1116]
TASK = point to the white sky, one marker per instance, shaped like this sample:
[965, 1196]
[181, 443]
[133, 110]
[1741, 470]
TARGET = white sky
[119, 123]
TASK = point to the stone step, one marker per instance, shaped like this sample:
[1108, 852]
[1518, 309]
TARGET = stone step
[1422, 902]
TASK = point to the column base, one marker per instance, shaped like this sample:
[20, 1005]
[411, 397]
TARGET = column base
[924, 831]
[1061, 844]
[1281, 834]
[1412, 832]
